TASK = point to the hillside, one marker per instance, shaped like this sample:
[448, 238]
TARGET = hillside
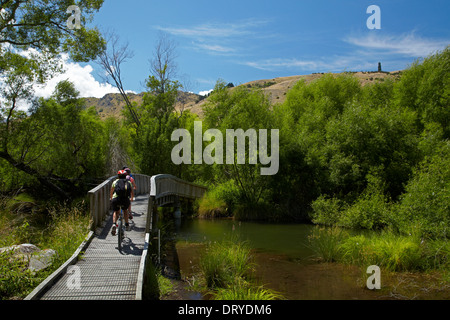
[112, 104]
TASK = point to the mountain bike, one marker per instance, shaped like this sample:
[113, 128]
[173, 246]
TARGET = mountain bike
[120, 230]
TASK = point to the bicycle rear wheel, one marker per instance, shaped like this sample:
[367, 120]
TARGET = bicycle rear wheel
[120, 234]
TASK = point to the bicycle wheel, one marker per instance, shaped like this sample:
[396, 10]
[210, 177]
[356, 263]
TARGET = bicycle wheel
[120, 234]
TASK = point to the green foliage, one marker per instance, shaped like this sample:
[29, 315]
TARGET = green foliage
[42, 25]
[360, 157]
[327, 211]
[240, 108]
[36, 145]
[425, 88]
[226, 267]
[65, 231]
[219, 201]
[376, 156]
[386, 249]
[243, 290]
[325, 242]
[165, 285]
[223, 262]
[424, 208]
[15, 280]
[59, 139]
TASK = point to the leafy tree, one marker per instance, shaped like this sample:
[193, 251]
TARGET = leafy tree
[239, 108]
[42, 25]
[425, 88]
[60, 143]
[32, 35]
[424, 207]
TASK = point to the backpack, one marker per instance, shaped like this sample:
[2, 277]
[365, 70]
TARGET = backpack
[122, 189]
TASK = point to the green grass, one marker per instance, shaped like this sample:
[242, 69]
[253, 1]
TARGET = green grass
[222, 262]
[210, 206]
[165, 285]
[226, 268]
[242, 290]
[66, 228]
[326, 241]
[386, 249]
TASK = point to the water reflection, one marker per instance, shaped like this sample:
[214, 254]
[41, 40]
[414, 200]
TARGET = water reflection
[288, 239]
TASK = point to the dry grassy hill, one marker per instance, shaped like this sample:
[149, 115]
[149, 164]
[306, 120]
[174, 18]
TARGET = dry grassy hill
[112, 104]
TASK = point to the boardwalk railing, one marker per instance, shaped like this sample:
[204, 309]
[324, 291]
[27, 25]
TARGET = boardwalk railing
[165, 189]
[169, 190]
[163, 185]
[158, 190]
[99, 197]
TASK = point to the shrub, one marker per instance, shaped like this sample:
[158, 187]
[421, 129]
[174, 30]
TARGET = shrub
[219, 201]
[326, 211]
[425, 206]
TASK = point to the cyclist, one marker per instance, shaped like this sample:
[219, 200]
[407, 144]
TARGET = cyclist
[121, 196]
[131, 179]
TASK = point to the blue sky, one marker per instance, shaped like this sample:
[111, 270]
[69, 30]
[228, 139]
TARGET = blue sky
[245, 40]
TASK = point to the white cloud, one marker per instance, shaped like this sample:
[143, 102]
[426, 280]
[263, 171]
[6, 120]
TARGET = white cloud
[393, 51]
[214, 48]
[204, 93]
[207, 36]
[81, 77]
[282, 63]
[408, 44]
[216, 30]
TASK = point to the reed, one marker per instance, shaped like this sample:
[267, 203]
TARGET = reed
[222, 262]
[243, 290]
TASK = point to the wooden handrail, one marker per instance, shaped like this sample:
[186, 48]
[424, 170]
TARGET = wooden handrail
[163, 184]
[99, 197]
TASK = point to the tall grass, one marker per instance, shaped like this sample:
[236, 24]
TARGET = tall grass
[223, 262]
[386, 249]
[66, 229]
[326, 241]
[243, 290]
[210, 206]
[227, 270]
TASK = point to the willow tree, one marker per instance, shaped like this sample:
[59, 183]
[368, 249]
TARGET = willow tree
[33, 35]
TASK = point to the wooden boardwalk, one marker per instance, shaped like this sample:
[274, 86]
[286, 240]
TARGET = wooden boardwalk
[105, 273]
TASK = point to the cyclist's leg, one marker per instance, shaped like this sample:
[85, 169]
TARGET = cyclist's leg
[125, 210]
[129, 212]
[114, 226]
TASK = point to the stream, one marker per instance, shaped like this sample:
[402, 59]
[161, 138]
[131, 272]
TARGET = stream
[285, 263]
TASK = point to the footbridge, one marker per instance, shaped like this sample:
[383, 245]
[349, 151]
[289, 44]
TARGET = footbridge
[97, 270]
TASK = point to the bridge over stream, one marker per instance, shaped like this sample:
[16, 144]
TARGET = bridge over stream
[97, 270]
